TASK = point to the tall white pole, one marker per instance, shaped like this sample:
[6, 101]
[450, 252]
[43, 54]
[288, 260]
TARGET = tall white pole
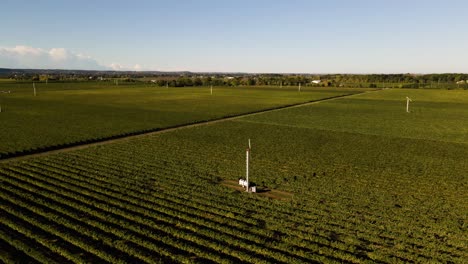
[249, 144]
[211, 89]
[34, 87]
[247, 168]
[407, 104]
[299, 87]
[281, 84]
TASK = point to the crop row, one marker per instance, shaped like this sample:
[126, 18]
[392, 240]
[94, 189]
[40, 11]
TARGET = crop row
[145, 218]
[197, 216]
[348, 217]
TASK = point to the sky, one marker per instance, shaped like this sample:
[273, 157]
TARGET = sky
[257, 36]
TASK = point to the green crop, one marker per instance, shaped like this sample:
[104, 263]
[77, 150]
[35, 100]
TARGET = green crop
[64, 114]
[366, 188]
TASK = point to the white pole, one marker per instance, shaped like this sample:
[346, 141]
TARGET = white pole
[247, 169]
[34, 87]
[249, 144]
[211, 89]
[281, 84]
[407, 104]
[299, 87]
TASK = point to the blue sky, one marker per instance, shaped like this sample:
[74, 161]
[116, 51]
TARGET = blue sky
[237, 36]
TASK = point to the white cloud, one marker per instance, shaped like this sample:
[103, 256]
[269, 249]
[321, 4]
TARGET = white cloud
[37, 58]
[25, 57]
[137, 67]
[120, 67]
[116, 67]
[60, 54]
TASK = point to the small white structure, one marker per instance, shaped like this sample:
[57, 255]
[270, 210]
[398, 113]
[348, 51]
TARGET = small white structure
[243, 183]
[316, 81]
[462, 82]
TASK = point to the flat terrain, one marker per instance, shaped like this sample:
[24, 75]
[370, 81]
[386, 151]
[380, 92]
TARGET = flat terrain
[72, 113]
[369, 183]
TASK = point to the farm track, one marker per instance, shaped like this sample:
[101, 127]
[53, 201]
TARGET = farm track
[118, 138]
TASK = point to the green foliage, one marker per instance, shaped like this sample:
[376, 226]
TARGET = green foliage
[67, 113]
[363, 192]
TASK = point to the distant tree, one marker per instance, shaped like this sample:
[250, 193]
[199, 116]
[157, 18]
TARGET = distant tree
[207, 81]
[161, 82]
[197, 82]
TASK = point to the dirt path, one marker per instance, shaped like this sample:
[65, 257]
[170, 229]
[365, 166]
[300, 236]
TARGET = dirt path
[165, 130]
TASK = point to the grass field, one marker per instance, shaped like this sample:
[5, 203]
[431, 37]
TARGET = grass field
[67, 113]
[370, 183]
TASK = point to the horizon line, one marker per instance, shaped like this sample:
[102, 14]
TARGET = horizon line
[231, 72]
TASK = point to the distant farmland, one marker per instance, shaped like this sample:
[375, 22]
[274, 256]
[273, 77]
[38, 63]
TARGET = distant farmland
[368, 182]
[72, 113]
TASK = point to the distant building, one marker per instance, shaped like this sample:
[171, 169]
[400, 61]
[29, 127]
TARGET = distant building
[316, 81]
[462, 82]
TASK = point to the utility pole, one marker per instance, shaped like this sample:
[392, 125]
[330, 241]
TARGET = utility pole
[247, 154]
[407, 104]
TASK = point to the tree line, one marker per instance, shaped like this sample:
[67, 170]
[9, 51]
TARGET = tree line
[188, 79]
[329, 80]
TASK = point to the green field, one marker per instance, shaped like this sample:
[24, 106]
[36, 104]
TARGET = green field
[370, 183]
[68, 113]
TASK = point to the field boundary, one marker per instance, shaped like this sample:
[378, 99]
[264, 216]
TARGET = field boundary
[26, 154]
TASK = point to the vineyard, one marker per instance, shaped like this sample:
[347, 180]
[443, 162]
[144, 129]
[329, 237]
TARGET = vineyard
[65, 114]
[370, 183]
